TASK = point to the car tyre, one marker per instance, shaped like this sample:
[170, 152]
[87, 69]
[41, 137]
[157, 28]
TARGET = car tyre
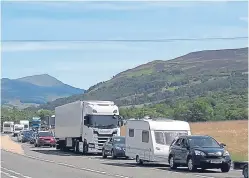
[103, 154]
[245, 171]
[113, 154]
[225, 168]
[172, 163]
[191, 166]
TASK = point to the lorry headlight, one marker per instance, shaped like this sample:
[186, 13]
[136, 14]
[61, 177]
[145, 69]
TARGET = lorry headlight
[199, 153]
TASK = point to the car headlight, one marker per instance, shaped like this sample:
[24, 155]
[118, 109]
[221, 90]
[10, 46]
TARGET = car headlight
[118, 148]
[199, 153]
[226, 153]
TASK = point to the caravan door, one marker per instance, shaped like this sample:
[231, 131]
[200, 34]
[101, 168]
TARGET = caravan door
[147, 148]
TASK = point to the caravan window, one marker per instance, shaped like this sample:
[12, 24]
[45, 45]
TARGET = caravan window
[131, 132]
[170, 136]
[159, 136]
[145, 136]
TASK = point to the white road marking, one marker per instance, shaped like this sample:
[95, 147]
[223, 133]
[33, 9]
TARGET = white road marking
[7, 174]
[14, 172]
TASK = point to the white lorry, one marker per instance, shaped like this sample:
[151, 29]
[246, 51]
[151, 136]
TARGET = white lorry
[8, 127]
[85, 126]
[25, 124]
[148, 140]
[17, 129]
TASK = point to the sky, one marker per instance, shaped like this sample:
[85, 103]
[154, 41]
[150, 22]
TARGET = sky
[83, 64]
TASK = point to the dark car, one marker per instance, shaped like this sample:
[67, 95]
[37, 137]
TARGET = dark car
[114, 147]
[198, 152]
[45, 138]
[25, 136]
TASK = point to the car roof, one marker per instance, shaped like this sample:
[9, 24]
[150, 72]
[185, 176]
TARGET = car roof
[194, 136]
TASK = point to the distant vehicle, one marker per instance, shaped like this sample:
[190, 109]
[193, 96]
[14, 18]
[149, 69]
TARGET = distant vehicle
[25, 123]
[8, 127]
[148, 140]
[114, 147]
[85, 126]
[45, 138]
[36, 123]
[17, 128]
[241, 165]
[24, 136]
[33, 138]
[199, 152]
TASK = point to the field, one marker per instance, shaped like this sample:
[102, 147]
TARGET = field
[233, 133]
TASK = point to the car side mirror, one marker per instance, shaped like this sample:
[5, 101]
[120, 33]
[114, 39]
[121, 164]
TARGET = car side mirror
[223, 145]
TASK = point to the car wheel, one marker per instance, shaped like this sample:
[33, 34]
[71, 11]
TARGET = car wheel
[113, 154]
[245, 171]
[103, 154]
[172, 163]
[225, 168]
[191, 166]
[35, 145]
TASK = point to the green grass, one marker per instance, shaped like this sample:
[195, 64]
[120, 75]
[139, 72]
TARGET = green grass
[238, 157]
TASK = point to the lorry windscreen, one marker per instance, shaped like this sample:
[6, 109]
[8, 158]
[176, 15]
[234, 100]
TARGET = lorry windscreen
[103, 121]
[26, 126]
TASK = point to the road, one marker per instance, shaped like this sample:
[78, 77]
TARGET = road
[56, 164]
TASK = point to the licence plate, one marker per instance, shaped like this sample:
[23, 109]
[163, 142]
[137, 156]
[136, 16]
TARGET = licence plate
[216, 161]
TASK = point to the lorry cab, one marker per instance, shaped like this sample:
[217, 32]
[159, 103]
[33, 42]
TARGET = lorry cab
[17, 128]
[8, 127]
[149, 140]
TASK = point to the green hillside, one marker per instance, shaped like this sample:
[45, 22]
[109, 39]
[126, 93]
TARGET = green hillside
[202, 73]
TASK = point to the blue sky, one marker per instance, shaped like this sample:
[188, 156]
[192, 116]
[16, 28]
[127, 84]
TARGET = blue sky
[85, 64]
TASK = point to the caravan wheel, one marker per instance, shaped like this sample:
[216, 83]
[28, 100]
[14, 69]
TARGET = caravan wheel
[138, 160]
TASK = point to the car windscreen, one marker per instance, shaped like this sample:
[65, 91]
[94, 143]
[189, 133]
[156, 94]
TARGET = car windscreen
[119, 140]
[203, 142]
[45, 134]
[27, 133]
[18, 128]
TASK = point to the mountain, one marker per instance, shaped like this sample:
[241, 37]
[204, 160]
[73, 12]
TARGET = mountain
[195, 74]
[44, 80]
[34, 90]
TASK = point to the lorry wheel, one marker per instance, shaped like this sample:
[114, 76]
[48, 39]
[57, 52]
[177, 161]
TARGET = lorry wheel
[76, 147]
[85, 149]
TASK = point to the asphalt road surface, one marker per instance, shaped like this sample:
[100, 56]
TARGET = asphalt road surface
[40, 162]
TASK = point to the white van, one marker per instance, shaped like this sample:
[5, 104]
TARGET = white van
[17, 129]
[149, 140]
[8, 127]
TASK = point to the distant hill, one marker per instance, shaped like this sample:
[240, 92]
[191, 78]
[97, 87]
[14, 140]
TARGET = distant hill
[44, 80]
[195, 74]
[34, 90]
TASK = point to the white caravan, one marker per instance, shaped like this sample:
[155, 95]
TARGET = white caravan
[25, 124]
[17, 128]
[86, 125]
[149, 140]
[8, 127]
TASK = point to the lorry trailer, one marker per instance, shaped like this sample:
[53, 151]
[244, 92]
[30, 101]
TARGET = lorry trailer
[85, 126]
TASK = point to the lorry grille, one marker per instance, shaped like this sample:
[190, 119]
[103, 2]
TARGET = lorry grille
[102, 138]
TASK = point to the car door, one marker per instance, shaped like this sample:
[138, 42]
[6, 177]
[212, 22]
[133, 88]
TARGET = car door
[183, 151]
[177, 150]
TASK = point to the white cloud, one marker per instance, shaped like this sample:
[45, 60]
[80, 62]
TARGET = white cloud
[39, 46]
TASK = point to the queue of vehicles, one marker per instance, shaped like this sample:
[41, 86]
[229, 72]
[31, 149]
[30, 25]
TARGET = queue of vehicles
[94, 127]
